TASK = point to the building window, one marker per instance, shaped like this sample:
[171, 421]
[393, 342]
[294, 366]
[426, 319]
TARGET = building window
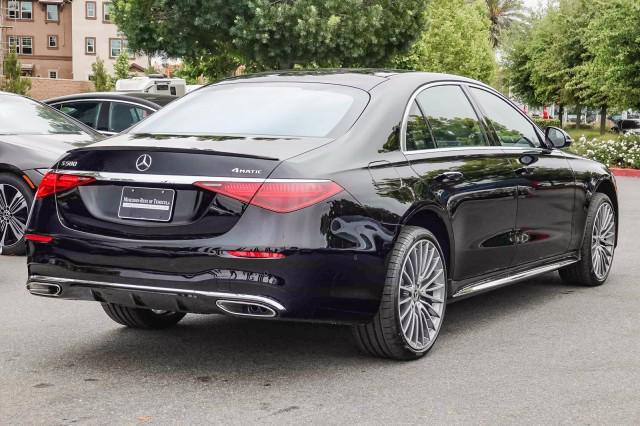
[52, 12]
[90, 10]
[52, 41]
[90, 45]
[106, 12]
[115, 47]
[53, 74]
[21, 45]
[20, 9]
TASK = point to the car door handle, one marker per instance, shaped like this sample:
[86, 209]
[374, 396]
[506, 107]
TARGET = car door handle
[449, 177]
[524, 171]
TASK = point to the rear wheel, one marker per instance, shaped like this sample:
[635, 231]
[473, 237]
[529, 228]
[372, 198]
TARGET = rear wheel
[598, 245]
[413, 301]
[15, 199]
[142, 318]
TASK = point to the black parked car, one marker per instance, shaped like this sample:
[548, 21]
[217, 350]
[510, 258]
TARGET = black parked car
[627, 127]
[32, 137]
[110, 112]
[362, 197]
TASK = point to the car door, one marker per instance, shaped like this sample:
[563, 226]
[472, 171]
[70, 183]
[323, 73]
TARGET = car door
[466, 175]
[545, 180]
[86, 112]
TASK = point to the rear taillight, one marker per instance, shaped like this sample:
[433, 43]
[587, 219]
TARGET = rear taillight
[278, 196]
[53, 183]
[256, 254]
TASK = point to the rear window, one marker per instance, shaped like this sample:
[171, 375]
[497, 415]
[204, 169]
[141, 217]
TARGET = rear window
[260, 109]
[21, 116]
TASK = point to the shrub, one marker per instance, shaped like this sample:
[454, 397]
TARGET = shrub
[623, 151]
[542, 123]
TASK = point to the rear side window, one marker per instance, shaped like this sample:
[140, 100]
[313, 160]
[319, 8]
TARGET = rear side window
[453, 121]
[418, 133]
[510, 126]
[85, 112]
[122, 116]
[261, 109]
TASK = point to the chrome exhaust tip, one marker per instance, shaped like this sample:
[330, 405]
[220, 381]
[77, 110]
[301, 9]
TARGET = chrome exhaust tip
[44, 289]
[246, 309]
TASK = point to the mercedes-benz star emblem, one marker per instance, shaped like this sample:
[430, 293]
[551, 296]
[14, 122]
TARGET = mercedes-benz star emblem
[143, 163]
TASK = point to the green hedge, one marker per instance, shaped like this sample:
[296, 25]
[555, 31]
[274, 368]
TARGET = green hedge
[542, 123]
[622, 151]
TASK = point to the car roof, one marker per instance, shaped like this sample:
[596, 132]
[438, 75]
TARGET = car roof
[149, 99]
[365, 79]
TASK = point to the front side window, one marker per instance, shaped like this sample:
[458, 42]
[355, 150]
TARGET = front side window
[115, 47]
[106, 12]
[21, 116]
[90, 10]
[85, 112]
[52, 12]
[451, 117]
[418, 134]
[260, 109]
[90, 46]
[510, 126]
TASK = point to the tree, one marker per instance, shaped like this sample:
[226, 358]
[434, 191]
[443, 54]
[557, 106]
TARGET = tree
[13, 81]
[269, 34]
[547, 62]
[503, 14]
[121, 66]
[101, 79]
[456, 41]
[613, 42]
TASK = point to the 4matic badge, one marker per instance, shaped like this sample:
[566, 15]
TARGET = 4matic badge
[246, 171]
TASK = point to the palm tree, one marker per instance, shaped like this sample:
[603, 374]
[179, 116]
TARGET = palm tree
[503, 13]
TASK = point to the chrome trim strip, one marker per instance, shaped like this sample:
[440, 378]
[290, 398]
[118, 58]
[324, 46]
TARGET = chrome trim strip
[75, 101]
[490, 285]
[456, 148]
[176, 179]
[218, 295]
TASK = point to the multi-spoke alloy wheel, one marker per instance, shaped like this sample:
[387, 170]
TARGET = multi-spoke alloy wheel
[421, 294]
[413, 301]
[598, 247]
[603, 240]
[14, 211]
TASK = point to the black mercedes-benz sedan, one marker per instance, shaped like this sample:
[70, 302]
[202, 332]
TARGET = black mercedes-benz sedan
[369, 198]
[32, 137]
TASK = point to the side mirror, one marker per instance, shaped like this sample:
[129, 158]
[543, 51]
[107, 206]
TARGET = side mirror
[557, 137]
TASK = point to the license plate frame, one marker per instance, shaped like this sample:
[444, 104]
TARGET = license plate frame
[148, 204]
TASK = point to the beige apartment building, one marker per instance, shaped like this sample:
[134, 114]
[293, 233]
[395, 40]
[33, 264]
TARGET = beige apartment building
[39, 31]
[96, 36]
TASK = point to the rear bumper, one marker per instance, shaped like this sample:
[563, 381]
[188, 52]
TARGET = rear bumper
[321, 285]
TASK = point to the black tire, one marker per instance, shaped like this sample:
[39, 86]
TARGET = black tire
[383, 337]
[141, 318]
[582, 272]
[11, 184]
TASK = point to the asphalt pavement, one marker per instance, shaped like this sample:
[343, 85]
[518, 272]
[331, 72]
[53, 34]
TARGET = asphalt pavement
[539, 352]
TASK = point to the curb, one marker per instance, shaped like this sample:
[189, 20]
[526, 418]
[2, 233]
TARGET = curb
[625, 172]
